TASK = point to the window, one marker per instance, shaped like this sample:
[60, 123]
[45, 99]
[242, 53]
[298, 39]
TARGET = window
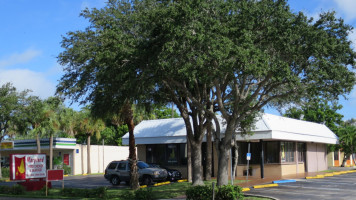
[301, 152]
[287, 151]
[112, 166]
[271, 152]
[167, 154]
[255, 150]
[121, 166]
[172, 154]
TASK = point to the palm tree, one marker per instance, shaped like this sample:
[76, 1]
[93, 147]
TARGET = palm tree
[89, 126]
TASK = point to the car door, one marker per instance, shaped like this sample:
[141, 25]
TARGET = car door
[124, 171]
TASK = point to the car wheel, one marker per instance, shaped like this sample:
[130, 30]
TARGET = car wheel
[147, 180]
[127, 182]
[115, 180]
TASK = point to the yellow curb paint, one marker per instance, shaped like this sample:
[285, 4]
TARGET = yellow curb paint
[7, 180]
[264, 186]
[313, 177]
[85, 174]
[65, 175]
[183, 180]
[329, 174]
[245, 189]
[143, 186]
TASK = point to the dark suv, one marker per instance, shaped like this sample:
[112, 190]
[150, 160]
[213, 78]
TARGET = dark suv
[118, 171]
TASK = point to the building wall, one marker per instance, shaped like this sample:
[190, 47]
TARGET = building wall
[316, 157]
[100, 157]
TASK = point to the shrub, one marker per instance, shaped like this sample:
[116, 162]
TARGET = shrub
[67, 169]
[144, 194]
[228, 192]
[5, 172]
[15, 190]
[199, 193]
[100, 192]
[140, 194]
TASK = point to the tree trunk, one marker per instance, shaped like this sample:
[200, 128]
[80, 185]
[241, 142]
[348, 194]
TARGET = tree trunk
[344, 160]
[189, 160]
[51, 151]
[132, 156]
[88, 154]
[0, 167]
[224, 152]
[208, 153]
[38, 143]
[197, 168]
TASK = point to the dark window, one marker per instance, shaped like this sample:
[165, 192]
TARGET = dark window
[121, 166]
[255, 150]
[166, 154]
[287, 151]
[183, 154]
[301, 152]
[172, 154]
[112, 166]
[336, 155]
[271, 152]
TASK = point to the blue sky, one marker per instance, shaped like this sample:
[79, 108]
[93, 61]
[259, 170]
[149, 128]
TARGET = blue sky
[31, 32]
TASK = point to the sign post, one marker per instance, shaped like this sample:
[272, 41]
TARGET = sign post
[248, 158]
[54, 175]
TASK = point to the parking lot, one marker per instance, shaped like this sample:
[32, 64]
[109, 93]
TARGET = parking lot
[335, 187]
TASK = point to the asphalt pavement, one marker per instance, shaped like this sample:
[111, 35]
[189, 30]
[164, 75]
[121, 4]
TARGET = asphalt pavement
[334, 187]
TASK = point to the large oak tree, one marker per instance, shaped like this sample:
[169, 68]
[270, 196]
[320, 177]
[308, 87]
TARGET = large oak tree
[234, 57]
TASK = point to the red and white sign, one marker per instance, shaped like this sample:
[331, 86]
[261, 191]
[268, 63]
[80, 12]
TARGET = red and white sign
[27, 166]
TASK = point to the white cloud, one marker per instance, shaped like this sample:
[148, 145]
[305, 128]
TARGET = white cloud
[21, 58]
[24, 79]
[347, 7]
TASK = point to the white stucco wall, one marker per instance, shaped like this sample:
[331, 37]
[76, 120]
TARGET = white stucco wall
[316, 157]
[100, 157]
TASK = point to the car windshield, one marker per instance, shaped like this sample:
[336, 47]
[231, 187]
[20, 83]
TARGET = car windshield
[142, 165]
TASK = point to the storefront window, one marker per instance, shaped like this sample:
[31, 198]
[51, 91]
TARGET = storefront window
[172, 154]
[166, 154]
[287, 151]
[301, 152]
[271, 152]
[255, 150]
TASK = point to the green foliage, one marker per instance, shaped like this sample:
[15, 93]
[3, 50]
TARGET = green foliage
[5, 172]
[143, 194]
[67, 169]
[13, 190]
[320, 111]
[227, 192]
[100, 192]
[199, 193]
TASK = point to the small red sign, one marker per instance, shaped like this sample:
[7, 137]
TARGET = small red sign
[55, 175]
